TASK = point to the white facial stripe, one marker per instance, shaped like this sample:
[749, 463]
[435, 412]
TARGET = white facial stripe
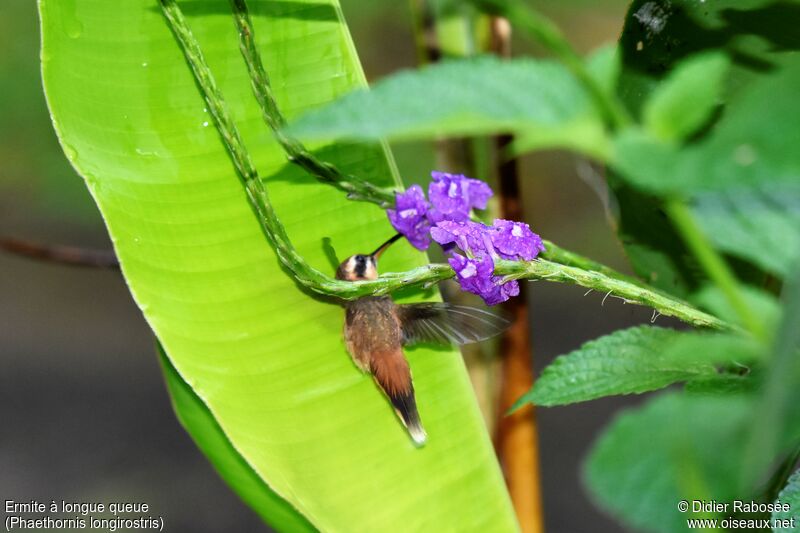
[371, 272]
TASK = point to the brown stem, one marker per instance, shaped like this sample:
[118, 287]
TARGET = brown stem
[56, 253]
[516, 439]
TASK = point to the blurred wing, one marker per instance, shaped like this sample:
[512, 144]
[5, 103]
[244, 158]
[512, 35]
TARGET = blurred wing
[443, 323]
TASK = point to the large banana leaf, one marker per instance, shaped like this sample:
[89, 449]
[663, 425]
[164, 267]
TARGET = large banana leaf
[210, 438]
[265, 356]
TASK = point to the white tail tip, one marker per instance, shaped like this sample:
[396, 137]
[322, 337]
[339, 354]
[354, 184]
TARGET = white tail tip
[418, 434]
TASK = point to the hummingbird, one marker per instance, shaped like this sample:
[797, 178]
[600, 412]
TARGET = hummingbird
[376, 329]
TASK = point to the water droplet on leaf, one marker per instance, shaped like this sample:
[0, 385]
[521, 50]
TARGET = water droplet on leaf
[146, 153]
[74, 28]
[745, 155]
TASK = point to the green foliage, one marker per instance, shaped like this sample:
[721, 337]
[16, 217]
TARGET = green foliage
[686, 99]
[718, 125]
[675, 447]
[265, 357]
[740, 177]
[791, 495]
[538, 99]
[719, 445]
[625, 362]
[657, 37]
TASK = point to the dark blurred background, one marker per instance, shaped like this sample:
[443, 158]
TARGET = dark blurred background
[85, 416]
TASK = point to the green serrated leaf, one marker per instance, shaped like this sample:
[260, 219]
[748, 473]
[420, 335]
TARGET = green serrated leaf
[675, 447]
[265, 357]
[788, 521]
[685, 100]
[624, 362]
[465, 97]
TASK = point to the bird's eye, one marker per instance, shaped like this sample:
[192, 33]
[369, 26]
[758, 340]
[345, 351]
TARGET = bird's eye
[360, 259]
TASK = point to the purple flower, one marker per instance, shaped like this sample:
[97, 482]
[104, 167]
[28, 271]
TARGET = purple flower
[515, 240]
[475, 272]
[476, 276]
[503, 292]
[410, 216]
[472, 237]
[446, 220]
[454, 195]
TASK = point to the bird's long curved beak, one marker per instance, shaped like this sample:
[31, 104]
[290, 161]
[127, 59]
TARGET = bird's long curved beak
[382, 248]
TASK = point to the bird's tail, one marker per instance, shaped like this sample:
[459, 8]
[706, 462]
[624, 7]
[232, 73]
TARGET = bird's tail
[393, 375]
[406, 407]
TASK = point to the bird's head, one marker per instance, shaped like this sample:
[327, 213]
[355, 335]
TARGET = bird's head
[363, 267]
